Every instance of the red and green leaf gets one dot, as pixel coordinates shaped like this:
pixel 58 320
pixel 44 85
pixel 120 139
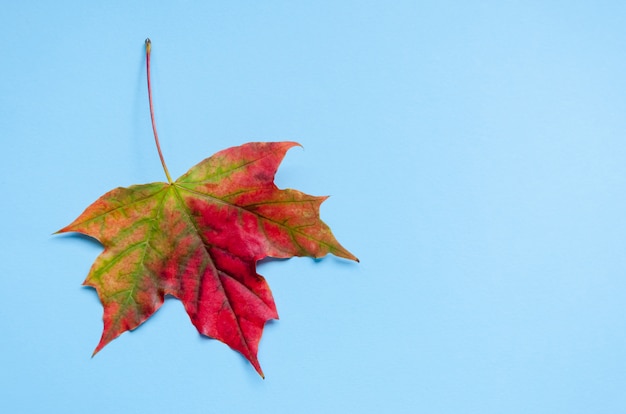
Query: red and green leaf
pixel 199 239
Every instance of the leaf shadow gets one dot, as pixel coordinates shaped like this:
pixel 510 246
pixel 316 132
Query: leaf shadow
pixel 79 236
pixel 317 261
pixel 268 260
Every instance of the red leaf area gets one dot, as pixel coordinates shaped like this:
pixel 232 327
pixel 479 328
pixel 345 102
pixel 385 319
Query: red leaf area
pixel 199 239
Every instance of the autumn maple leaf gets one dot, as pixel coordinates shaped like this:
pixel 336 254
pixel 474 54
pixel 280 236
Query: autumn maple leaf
pixel 199 239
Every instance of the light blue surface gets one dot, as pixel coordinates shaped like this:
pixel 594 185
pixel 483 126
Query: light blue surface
pixel 475 153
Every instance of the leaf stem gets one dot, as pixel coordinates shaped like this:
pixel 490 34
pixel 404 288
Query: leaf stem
pixel 156 135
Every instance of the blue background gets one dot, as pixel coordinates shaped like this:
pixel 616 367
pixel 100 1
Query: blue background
pixel 474 151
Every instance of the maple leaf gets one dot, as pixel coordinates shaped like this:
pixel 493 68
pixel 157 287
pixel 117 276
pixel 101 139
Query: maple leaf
pixel 199 239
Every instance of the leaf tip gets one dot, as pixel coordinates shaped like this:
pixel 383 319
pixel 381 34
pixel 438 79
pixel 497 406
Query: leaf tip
pixel 63 230
pixel 258 369
pixel 350 256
